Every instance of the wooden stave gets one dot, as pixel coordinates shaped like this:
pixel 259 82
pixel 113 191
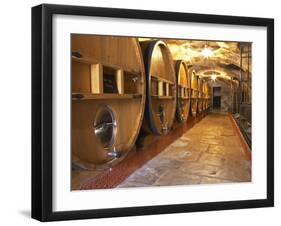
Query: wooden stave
pixel 206 92
pixel 194 92
pixel 140 101
pixel 149 120
pixel 180 118
pixel 200 96
pixel 203 95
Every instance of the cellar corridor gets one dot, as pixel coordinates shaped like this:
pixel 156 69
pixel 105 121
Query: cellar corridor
pixel 210 152
pixel 152 112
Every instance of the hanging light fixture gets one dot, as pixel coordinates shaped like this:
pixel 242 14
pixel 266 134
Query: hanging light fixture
pixel 207 51
pixel 213 77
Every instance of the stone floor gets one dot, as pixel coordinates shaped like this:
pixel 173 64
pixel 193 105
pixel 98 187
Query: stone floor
pixel 208 153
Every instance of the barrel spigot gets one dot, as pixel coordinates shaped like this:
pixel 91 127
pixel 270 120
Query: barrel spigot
pixel 114 153
pixel 165 128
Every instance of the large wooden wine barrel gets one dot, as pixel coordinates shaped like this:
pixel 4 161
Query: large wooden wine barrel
pixel 203 95
pixel 194 91
pixel 206 94
pixel 161 87
pixel 108 98
pixel 200 95
pixel 183 91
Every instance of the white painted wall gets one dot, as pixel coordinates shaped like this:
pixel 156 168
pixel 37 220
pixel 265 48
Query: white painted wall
pixel 15 112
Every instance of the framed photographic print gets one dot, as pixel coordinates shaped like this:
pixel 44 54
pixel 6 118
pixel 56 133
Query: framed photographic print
pixel 145 112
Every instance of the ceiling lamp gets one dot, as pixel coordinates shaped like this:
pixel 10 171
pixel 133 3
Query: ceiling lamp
pixel 207 52
pixel 213 77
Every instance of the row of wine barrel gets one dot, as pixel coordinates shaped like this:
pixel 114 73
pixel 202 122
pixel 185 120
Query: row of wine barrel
pixel 120 85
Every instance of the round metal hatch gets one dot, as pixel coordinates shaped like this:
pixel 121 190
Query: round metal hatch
pixel 105 126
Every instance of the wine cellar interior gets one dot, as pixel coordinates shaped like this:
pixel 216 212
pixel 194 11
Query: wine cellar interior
pixel 159 112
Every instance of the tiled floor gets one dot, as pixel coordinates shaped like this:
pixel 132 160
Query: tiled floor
pixel 210 152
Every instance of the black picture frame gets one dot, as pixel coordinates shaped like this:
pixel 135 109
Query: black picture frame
pixel 42 111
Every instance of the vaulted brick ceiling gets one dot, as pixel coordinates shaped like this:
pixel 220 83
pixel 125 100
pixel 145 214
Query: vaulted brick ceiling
pixel 224 59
